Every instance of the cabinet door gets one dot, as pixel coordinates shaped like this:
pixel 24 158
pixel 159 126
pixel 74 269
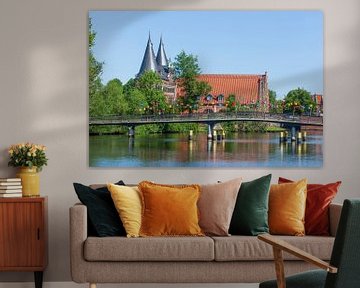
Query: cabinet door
pixel 21 234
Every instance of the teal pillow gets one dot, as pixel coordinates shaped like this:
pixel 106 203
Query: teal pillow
pixel 250 216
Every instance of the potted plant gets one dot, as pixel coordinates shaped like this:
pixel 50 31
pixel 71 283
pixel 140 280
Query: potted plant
pixel 30 158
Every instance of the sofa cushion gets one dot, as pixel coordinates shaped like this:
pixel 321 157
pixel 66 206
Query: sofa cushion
pixel 102 216
pixel 216 205
pixel 149 249
pixel 287 204
pixel 169 210
pixel 318 199
pixel 245 248
pixel 250 215
pixel 127 201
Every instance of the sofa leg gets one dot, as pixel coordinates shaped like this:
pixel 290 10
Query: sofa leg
pixel 92 285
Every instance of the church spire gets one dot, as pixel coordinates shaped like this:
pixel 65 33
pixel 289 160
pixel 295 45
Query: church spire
pixel 161 58
pixel 149 60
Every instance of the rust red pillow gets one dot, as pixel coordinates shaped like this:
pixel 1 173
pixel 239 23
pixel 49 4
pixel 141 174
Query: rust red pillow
pixel 319 197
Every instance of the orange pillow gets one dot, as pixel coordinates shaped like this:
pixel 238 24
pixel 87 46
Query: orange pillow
pixel 287 204
pixel 319 197
pixel 169 210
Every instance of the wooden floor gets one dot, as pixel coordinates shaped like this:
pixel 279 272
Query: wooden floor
pixel 74 285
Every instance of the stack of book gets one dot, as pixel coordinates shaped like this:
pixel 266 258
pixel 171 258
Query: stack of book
pixel 10 187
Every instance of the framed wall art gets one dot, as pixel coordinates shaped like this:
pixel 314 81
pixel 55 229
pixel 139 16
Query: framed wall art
pixel 205 89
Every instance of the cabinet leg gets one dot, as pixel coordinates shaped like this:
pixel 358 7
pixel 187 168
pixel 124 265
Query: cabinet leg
pixel 38 279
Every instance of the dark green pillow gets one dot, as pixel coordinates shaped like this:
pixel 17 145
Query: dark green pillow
pixel 250 216
pixel 103 219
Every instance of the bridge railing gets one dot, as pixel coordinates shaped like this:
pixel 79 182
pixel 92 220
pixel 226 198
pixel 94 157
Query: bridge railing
pixel 207 116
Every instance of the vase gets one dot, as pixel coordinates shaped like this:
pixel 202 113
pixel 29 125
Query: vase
pixel 30 181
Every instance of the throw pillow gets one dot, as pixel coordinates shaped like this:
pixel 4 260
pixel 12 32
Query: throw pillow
pixel 102 215
pixel 287 208
pixel 319 197
pixel 250 215
pixel 169 210
pixel 216 206
pixel 127 201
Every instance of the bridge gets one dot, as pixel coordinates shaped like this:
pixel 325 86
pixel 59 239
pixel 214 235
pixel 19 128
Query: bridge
pixel 208 118
pixel 292 123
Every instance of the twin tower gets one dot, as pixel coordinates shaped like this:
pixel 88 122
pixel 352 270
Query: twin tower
pixel 159 64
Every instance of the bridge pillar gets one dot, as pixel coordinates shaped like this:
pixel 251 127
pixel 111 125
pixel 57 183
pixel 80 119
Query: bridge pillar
pixel 131 132
pixel 210 131
pixel 293 134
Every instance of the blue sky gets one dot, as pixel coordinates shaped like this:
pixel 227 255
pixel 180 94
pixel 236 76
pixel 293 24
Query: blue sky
pixel 286 44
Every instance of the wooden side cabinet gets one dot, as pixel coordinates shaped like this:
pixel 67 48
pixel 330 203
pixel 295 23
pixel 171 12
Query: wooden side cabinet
pixel 23 235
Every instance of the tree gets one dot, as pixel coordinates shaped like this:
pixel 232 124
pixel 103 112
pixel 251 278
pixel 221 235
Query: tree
pixel 114 99
pixel 297 101
pixel 150 85
pixel 136 101
pixel 95 71
pixel 231 103
pixel 272 98
pixel 186 69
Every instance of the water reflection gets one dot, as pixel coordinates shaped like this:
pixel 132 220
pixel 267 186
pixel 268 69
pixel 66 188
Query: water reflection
pixel 175 150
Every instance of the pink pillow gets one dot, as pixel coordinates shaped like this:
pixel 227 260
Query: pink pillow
pixel 216 206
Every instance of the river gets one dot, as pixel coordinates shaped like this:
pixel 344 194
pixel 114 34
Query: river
pixel 175 150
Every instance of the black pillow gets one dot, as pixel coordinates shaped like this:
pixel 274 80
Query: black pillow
pixel 103 217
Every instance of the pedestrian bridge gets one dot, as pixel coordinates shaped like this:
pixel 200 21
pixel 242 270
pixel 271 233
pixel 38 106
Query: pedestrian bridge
pixel 284 120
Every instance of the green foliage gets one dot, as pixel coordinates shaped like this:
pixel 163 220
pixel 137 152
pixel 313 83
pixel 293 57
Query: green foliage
pixel 136 101
pixel 231 104
pixel 149 129
pixel 100 130
pixel 297 101
pixel 186 69
pixel 110 100
pixel 114 99
pixel 27 155
pixel 150 85
pixel 95 70
pixel 252 126
pixel 186 66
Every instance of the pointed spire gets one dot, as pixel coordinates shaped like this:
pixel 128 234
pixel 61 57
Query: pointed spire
pixel 161 58
pixel 149 60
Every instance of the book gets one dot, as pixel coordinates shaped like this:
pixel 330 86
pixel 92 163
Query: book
pixel 10 191
pixel 5 195
pixel 10 188
pixel 10 183
pixel 10 180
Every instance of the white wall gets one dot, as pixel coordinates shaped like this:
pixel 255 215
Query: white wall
pixel 43 90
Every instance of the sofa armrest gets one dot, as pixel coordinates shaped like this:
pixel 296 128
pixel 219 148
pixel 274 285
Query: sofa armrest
pixel 78 235
pixel 334 217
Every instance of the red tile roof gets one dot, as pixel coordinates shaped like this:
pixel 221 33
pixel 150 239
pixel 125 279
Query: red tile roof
pixel 244 87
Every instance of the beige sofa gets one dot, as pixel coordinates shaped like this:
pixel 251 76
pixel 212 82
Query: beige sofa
pixel 234 259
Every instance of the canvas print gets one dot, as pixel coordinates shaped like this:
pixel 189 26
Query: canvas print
pixel 205 89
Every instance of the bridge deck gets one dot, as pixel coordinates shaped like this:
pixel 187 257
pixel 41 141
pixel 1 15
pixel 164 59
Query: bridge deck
pixel 210 118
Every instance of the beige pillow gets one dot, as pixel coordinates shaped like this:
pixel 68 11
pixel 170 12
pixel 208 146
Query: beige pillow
pixel 216 206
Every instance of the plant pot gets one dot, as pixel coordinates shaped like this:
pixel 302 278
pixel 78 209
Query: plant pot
pixel 30 181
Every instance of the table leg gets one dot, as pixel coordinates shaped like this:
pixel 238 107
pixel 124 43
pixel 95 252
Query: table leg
pixel 38 279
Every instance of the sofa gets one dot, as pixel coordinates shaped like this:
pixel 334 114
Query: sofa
pixel 233 259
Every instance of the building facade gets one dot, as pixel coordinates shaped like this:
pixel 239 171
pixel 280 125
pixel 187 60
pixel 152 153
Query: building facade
pixel 246 90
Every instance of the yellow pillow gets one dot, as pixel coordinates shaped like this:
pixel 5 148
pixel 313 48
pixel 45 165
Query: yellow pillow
pixel 169 210
pixel 287 204
pixel 127 201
